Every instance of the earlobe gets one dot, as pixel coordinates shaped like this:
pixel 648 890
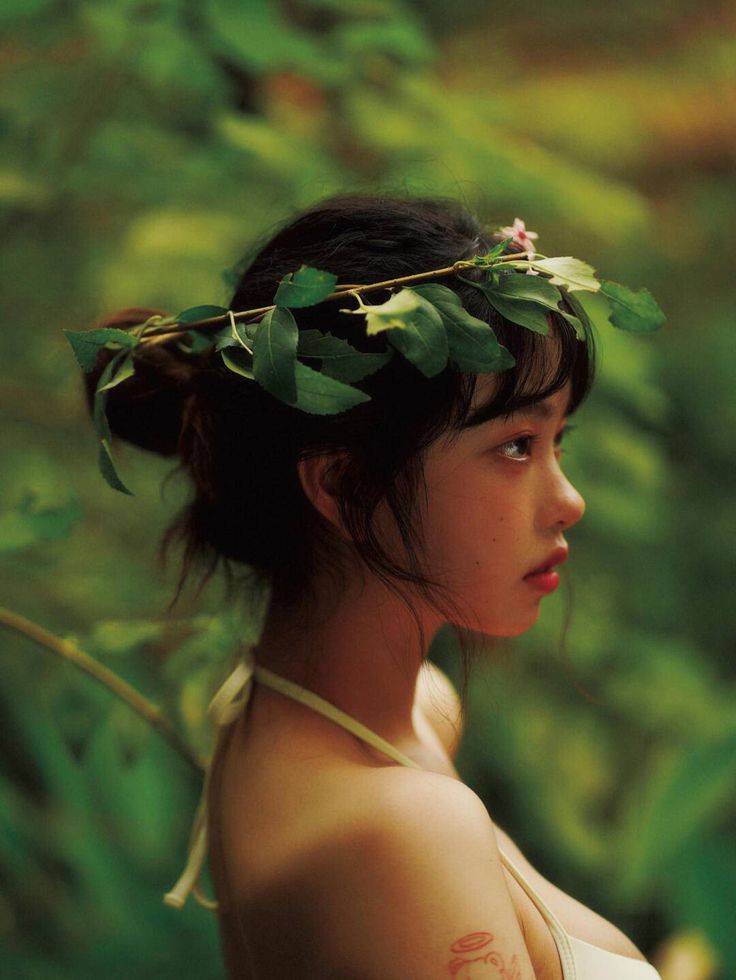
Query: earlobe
pixel 317 475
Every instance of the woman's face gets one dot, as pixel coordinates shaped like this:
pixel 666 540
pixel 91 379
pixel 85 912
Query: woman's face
pixel 498 506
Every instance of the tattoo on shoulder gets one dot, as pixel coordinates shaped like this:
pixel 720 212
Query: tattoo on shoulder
pixel 475 959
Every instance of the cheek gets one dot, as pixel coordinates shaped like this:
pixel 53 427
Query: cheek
pixel 463 531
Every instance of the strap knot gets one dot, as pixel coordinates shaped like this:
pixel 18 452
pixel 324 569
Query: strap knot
pixel 222 710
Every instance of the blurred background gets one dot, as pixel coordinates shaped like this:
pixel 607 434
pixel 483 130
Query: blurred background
pixel 147 145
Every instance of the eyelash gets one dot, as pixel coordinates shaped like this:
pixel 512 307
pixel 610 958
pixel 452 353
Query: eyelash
pixel 531 439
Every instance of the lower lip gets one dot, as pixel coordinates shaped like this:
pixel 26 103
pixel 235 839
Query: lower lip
pixel 544 581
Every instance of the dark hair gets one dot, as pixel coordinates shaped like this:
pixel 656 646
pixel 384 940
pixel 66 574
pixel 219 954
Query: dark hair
pixel 241 445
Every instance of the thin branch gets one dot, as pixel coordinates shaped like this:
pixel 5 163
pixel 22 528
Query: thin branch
pixel 159 334
pixel 108 678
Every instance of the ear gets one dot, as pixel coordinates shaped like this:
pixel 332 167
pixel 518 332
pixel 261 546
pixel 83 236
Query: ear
pixel 317 475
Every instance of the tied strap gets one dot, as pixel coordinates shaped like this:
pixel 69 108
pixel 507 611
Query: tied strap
pixel 222 710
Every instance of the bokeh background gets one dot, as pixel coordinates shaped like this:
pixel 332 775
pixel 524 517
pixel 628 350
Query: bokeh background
pixel 146 146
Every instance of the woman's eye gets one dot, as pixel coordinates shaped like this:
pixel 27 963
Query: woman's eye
pixel 521 448
pixel 518 448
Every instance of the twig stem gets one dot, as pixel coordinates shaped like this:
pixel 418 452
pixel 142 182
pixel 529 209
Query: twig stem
pixel 160 334
pixel 103 675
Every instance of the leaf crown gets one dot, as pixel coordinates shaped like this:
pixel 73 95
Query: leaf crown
pixel 422 320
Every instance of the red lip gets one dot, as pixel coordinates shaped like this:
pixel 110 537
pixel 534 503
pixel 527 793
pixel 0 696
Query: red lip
pixel 557 557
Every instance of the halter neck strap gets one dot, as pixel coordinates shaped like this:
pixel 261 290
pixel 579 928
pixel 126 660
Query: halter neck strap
pixel 229 701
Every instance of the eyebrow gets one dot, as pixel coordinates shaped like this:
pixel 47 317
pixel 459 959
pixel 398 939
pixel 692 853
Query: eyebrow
pixel 535 410
pixel 540 410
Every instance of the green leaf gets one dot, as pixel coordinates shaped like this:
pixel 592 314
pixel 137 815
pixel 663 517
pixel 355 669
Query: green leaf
pixel 238 359
pixel 339 359
pixel 488 258
pixel 398 311
pixel 423 340
pixel 199 341
pixel 195 313
pixel 86 344
pixel 240 335
pixel 305 287
pixel 104 459
pixel 635 312
pixel 107 468
pixel 125 371
pixel 472 344
pixel 320 394
pixel 571 273
pixel 519 286
pixel 436 293
pixel 98 412
pixel 526 314
pixel 414 327
pixel 32 522
pixel 274 354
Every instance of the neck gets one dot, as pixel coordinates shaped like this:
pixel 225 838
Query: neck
pixel 363 656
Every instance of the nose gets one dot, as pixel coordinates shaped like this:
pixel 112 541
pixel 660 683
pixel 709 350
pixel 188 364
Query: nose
pixel 564 505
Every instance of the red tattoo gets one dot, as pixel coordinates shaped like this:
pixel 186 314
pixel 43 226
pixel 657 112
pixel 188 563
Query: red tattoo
pixel 477 962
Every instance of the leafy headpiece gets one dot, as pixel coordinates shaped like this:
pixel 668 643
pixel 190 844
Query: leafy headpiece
pixel 422 320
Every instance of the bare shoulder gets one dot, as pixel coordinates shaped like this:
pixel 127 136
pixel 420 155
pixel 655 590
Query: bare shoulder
pixel 439 701
pixel 414 886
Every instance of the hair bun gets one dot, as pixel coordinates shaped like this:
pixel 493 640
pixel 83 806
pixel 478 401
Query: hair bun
pixel 147 409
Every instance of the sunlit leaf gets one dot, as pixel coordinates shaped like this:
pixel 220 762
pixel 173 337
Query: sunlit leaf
pixel 398 311
pixel 566 271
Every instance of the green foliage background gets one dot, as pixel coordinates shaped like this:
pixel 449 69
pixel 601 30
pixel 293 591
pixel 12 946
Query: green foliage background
pixel 146 145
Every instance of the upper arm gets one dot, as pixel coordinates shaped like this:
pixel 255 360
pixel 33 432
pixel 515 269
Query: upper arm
pixel 441 705
pixel 418 890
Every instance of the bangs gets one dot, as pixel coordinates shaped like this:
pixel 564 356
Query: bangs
pixel 544 364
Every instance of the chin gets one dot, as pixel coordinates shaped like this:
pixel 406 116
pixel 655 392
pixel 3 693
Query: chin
pixel 515 628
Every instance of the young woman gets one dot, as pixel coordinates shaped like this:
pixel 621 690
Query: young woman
pixel 342 841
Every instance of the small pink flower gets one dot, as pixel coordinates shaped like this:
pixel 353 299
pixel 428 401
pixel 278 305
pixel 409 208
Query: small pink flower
pixel 522 237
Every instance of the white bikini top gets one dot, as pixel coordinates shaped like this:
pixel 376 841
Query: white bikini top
pixel 580 960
